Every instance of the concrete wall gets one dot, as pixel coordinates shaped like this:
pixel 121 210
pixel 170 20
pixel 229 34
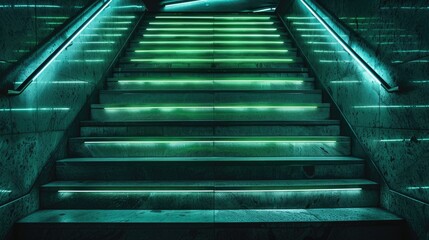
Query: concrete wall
pixel 26 24
pixel 392 127
pixel 35 126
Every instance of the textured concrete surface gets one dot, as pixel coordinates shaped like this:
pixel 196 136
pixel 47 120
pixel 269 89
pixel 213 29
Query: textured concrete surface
pixel 323 224
pixel 392 128
pixel 33 124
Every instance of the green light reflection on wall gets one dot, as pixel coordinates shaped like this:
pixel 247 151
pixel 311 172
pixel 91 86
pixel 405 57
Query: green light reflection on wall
pixel 34 109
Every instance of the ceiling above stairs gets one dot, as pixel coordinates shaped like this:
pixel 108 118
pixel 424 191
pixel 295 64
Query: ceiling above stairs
pixel 210 5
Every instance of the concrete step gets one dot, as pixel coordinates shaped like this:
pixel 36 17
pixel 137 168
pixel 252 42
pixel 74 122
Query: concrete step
pixel 173 195
pixel 139 53
pixel 192 111
pixel 209 168
pixel 209 146
pixel 203 97
pixel 245 224
pixel 209 127
pixel 201 81
pixel 213 36
pixel 301 70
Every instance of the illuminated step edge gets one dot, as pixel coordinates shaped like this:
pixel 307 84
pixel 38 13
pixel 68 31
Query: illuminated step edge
pixel 325 185
pixel 212 42
pixel 190 23
pixel 212 60
pixel 206 81
pixel 191 51
pixel 285 160
pixel 167 35
pixel 216 17
pixel 154 29
pixel 164 107
pixel 196 140
pixel 209 191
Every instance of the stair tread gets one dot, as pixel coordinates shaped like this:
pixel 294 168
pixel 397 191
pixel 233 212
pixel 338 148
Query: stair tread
pixel 207 105
pixel 212 70
pixel 220 138
pixel 344 159
pixel 206 122
pixel 314 215
pixel 210 184
pixel 293 91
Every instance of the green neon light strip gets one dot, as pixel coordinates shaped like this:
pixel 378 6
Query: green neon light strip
pixel 402 140
pixel 105 35
pixel 211 42
pixel 346 82
pixel 223 81
pixel 417 188
pixel 214 60
pixel 314 35
pixel 211 191
pixel 99 42
pixel 119 23
pixel 207 17
pixel 82 61
pixel 32 109
pixel 239 108
pixel 211 23
pixel 212 35
pixel 5 191
pixel 120 17
pixel 98 51
pixel 211 50
pixel 323 43
pixel 112 28
pixel 392 106
pixel 329 51
pixel 300 18
pixel 51 17
pixel 211 29
pixel 310 29
pixel 208 141
pixel 305 23
pixel 57 82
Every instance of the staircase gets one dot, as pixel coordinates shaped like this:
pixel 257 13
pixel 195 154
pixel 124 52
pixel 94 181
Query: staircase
pixel 210 128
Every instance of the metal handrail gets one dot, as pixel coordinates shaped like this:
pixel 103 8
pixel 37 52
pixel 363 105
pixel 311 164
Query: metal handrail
pixel 57 51
pixel 350 50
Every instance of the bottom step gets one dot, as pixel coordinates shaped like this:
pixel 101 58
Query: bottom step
pixel 297 224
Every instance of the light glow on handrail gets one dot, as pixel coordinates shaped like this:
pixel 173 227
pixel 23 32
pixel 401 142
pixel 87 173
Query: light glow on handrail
pixel 66 44
pixel 371 72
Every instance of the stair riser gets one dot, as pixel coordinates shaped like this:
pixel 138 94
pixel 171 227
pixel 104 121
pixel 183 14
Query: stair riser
pixel 370 230
pixel 202 66
pixel 205 171
pixel 231 54
pixel 160 75
pixel 77 148
pixel 321 113
pixel 252 130
pixel 208 98
pixel 148 44
pixel 195 25
pixel 218 200
pixel 212 86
